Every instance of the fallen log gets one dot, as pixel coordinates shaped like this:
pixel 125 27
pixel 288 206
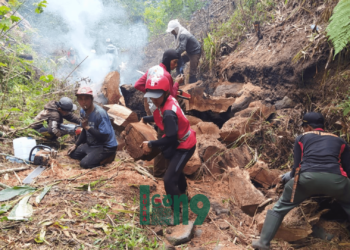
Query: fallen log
pixel 110 87
pixel 246 196
pixel 235 157
pixel 135 134
pixel 121 115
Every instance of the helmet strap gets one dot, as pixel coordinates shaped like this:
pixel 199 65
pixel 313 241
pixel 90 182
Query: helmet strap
pixel 166 95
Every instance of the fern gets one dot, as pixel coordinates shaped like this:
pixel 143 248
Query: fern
pixel 338 29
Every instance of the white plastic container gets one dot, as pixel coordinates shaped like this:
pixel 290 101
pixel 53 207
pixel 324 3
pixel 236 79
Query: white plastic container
pixel 22 147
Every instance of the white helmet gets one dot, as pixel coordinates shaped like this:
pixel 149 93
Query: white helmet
pixel 172 25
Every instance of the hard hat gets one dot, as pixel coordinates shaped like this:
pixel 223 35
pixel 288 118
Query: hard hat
pixel 172 25
pixel 66 104
pixel 155 87
pixel 85 90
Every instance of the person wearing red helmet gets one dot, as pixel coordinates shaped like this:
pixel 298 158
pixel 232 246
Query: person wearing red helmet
pixel 96 144
pixel 169 63
pixel 179 141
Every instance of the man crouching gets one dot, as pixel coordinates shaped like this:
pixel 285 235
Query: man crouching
pixel 97 144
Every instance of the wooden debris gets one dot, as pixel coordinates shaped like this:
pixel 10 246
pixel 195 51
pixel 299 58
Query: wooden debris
pixel 110 87
pixel 247 197
pixel 121 115
pixel 13 169
pixel 209 148
pixel 4 185
pixel 135 134
pixel 261 173
pixel 202 102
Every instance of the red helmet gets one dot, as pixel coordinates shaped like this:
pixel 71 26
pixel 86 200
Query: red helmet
pixel 155 87
pixel 85 90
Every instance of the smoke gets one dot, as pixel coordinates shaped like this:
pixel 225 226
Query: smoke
pixel 84 26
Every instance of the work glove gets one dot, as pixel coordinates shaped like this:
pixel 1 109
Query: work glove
pixel 286 177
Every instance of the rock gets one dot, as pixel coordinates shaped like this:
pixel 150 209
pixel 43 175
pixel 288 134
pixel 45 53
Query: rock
pixel 166 246
pixel 236 127
pixel 231 158
pixel 193 120
pixel 286 102
pixel 319 232
pixel 240 104
pixel 218 209
pixel 159 230
pixel 121 115
pixel 181 234
pixel 229 89
pixel 224 226
pixel 193 164
pixel 206 128
pixel 293 227
pixel 261 173
pixel 209 148
pixel 169 230
pixel 198 233
pixel 247 197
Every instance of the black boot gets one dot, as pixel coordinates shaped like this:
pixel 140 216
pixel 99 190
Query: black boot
pixel 272 222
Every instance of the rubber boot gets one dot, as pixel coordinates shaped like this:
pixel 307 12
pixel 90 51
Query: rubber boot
pixel 272 222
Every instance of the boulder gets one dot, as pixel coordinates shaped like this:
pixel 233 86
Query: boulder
pixel 193 120
pixel 193 164
pixel 206 128
pixel 181 234
pixel 261 173
pixel 243 192
pixel 286 102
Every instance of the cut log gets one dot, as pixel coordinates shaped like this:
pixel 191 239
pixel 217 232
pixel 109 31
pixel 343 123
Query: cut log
pixel 192 119
pixel 193 164
pixel 294 226
pixel 261 173
pixel 247 197
pixel 110 87
pixel 206 128
pixel 133 100
pixel 202 102
pixel 229 89
pixel 135 134
pixel 257 110
pixel 121 115
pixel 209 148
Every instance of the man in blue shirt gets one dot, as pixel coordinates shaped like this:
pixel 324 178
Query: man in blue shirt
pixel 96 144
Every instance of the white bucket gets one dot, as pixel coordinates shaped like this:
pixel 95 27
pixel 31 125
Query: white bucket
pixel 22 147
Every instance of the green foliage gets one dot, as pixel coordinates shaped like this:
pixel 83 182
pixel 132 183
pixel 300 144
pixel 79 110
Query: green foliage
pixel 157 14
pixel 40 6
pixel 338 29
pixel 210 47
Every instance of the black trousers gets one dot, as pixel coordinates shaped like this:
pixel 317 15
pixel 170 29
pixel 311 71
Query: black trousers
pixel 174 179
pixel 93 156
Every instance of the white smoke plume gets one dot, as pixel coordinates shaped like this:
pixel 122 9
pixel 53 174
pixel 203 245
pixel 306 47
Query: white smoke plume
pixel 84 25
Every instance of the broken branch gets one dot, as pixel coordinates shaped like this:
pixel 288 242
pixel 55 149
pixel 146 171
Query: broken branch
pixel 13 169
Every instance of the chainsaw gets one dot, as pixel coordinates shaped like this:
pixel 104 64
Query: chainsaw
pixel 43 158
pixel 71 129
